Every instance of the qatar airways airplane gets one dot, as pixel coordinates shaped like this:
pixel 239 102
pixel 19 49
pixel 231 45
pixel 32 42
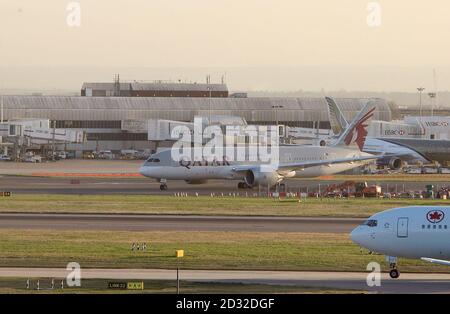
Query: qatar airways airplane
pixel 293 161
pixel 417 232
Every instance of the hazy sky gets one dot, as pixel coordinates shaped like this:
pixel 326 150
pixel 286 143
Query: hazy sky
pixel 225 33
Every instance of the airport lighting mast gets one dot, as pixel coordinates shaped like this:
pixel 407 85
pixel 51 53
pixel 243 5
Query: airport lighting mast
pixel 209 88
pixel 275 110
pixel 276 107
pixel 420 90
pixel 432 97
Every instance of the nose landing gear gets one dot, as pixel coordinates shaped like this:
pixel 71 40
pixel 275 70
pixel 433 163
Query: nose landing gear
pixel 394 273
pixel 163 186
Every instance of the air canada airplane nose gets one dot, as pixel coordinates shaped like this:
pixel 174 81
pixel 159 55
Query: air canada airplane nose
pixel 357 235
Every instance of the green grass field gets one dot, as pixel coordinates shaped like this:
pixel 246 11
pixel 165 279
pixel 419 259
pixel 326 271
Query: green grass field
pixel 203 250
pixel 203 205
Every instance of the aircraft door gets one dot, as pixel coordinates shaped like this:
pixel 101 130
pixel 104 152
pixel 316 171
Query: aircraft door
pixel 402 227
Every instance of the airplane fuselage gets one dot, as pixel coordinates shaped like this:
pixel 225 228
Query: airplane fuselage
pixel 411 232
pixel 166 167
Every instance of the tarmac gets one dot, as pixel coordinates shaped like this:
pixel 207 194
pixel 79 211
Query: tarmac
pixel 407 283
pixel 176 223
pixel 121 184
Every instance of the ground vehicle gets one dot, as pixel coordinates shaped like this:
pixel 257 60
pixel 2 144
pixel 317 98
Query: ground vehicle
pixel 62 155
pixel 104 154
pixel 30 157
pixel 5 158
pixel 88 155
pixel 129 154
pixel 364 190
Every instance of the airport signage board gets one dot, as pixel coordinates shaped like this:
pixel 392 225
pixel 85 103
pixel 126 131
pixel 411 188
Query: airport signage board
pixel 5 194
pixel 134 126
pixel 135 285
pixel 121 285
pixel 117 285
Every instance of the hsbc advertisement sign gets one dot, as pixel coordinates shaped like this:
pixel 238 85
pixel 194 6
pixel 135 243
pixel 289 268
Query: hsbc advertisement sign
pixel 394 132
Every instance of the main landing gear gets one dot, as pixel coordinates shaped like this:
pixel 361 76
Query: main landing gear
pixel 243 185
pixel 394 273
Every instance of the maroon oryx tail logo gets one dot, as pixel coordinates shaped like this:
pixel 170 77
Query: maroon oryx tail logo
pixel 358 132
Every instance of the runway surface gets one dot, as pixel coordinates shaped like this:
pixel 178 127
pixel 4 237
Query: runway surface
pixel 176 223
pixel 407 283
pixel 141 185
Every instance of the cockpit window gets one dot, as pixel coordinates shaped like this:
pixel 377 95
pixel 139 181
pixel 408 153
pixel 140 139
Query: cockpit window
pixel 371 223
pixel 153 160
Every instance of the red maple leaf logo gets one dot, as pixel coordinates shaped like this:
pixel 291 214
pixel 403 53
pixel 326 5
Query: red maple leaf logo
pixel 435 216
pixel 361 131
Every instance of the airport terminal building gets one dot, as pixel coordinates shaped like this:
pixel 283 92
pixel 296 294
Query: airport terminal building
pixel 103 118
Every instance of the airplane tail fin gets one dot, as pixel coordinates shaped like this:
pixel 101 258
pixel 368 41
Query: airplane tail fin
pixel 337 119
pixel 356 132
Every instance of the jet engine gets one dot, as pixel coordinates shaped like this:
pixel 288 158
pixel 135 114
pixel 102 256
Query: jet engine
pixel 393 163
pixel 256 177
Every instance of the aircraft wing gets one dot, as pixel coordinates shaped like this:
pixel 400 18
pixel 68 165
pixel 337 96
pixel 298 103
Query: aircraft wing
pixel 386 155
pixel 306 164
pixel 436 261
pixel 313 163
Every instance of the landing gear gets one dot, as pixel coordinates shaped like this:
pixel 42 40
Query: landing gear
pixel 394 273
pixel 163 186
pixel 243 185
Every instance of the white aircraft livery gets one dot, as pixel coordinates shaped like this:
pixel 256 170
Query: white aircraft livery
pixel 293 161
pixel 417 232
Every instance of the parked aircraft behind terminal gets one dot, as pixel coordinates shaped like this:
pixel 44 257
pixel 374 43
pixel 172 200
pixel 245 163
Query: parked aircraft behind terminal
pixel 396 151
pixel 417 232
pixel 294 161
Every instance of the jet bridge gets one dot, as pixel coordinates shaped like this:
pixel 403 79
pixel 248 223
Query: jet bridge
pixel 35 133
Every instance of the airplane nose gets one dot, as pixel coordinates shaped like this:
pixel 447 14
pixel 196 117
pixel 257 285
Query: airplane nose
pixel 356 235
pixel 142 171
